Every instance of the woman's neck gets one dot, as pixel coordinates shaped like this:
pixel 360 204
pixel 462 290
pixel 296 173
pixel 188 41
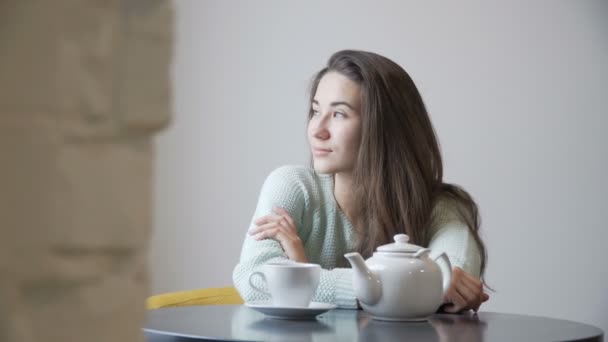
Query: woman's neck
pixel 344 195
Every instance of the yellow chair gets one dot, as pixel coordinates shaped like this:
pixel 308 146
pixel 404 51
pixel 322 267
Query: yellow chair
pixel 210 296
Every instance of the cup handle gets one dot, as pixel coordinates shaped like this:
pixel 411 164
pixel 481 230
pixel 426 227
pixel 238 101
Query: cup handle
pixel 446 270
pixel 255 287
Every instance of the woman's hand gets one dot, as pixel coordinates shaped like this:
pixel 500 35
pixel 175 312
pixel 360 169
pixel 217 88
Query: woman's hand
pixel 282 228
pixel 465 292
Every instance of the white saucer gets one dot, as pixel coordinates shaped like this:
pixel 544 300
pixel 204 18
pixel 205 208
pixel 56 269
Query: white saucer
pixel 277 312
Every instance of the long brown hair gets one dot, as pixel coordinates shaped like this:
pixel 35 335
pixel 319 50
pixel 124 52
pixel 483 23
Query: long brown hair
pixel 398 176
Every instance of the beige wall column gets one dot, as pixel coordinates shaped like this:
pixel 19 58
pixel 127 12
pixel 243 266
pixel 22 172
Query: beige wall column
pixel 83 88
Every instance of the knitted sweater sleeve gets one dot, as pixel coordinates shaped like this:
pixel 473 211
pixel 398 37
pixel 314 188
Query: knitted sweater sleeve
pixel 284 188
pixel 452 236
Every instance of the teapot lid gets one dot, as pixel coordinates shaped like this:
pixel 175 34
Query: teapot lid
pixel 400 245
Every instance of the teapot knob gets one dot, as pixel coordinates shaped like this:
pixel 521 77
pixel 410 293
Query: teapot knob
pixel 402 238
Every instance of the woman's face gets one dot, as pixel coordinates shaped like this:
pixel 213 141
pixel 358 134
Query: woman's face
pixel 334 130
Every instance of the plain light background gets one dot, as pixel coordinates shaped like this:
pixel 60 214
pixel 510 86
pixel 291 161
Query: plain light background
pixel 517 92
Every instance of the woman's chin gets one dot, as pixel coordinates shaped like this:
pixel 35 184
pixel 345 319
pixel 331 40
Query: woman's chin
pixel 323 169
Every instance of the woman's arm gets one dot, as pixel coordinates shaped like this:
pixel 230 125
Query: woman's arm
pixel 281 227
pixel 453 237
pixel 284 189
pixel 335 286
pixel 456 241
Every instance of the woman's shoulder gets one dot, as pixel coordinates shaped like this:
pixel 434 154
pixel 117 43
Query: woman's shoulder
pixel 296 180
pixel 297 171
pixel 291 173
pixel 447 210
pixel 297 175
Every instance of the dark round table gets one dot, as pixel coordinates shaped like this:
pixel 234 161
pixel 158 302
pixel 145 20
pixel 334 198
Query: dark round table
pixel 239 323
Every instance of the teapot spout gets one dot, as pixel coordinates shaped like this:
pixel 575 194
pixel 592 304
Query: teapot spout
pixel 365 281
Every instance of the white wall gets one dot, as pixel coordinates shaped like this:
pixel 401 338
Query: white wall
pixel 517 92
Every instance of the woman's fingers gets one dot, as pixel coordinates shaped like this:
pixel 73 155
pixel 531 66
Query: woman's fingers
pixel 456 302
pixel 283 222
pixel 268 222
pixel 269 233
pixel 465 293
pixel 278 230
pixel 267 219
pixel 280 227
pixel 472 282
pixel 472 298
pixel 282 216
pixel 476 286
pixel 257 229
pixel 272 226
pixel 285 215
pixel 275 232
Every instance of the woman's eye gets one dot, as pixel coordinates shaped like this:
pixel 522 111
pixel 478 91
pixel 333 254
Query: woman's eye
pixel 315 112
pixel 340 114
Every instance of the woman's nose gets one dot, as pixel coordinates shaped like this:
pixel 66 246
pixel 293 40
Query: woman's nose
pixel 320 131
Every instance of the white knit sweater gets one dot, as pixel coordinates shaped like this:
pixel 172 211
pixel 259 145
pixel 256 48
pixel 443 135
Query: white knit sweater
pixel 327 234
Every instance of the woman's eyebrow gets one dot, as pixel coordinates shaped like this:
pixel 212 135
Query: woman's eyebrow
pixel 336 103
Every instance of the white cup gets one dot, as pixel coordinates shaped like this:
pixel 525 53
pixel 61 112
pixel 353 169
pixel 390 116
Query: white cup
pixel 289 284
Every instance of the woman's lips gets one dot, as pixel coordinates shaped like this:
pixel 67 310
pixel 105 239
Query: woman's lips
pixel 320 151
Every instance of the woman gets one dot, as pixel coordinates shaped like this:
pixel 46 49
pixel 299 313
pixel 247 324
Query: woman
pixel 377 172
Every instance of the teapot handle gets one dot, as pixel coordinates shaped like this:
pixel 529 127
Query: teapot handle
pixel 446 270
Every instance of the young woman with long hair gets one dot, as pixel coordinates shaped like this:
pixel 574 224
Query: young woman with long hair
pixel 376 172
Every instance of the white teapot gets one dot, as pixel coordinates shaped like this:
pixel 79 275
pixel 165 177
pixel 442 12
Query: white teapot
pixel 400 282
